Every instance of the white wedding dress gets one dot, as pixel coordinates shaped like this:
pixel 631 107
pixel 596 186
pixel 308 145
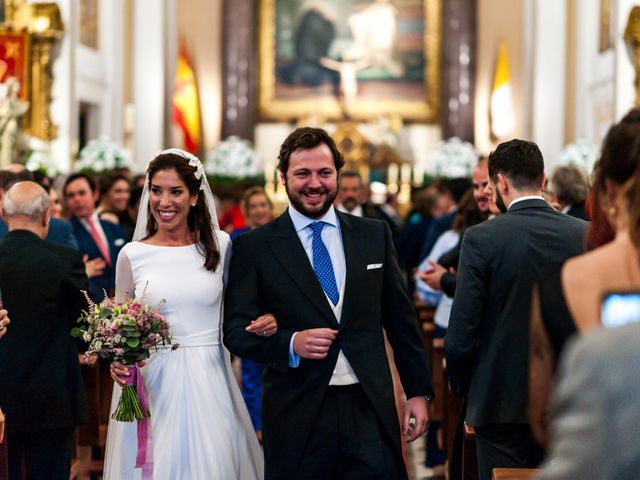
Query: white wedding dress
pixel 199 423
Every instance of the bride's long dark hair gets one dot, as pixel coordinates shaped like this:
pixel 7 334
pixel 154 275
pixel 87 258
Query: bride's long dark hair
pixel 198 219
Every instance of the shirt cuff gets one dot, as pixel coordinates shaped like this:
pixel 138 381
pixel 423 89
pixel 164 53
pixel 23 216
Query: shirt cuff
pixel 294 359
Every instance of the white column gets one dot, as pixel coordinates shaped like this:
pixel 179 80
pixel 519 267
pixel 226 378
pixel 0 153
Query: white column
pixel 112 47
pixel 149 78
pixel 548 81
pixel 63 107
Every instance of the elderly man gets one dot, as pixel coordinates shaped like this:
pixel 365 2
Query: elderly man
pixel 59 230
pixel 41 390
pixel 569 187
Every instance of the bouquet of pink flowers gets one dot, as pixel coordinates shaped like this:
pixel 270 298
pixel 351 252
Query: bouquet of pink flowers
pixel 124 332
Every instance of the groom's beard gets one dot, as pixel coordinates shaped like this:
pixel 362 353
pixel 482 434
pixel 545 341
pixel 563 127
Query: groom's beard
pixel 296 201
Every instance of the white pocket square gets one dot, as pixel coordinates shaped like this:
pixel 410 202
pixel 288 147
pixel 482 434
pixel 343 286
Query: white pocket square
pixel 373 266
pixel 118 242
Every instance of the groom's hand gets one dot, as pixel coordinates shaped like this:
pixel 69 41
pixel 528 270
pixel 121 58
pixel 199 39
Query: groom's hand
pixel 417 409
pixel 313 344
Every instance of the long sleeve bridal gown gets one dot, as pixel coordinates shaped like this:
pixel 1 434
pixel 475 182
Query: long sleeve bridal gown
pixel 199 423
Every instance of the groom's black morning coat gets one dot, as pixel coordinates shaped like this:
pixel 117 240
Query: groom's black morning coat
pixel 271 273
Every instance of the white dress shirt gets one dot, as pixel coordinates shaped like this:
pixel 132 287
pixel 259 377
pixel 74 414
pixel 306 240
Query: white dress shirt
pixel 343 374
pixel 525 197
pixel 96 222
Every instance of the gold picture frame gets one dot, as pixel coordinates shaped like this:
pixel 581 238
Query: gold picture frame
pixel 43 25
pixel 14 59
pixel 382 89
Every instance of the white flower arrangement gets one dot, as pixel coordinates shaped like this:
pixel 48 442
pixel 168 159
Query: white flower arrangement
pixel 582 154
pixel 233 157
pixel 41 157
pixel 453 158
pixel 102 154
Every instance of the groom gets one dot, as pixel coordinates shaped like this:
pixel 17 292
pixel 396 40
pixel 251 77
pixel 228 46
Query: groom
pixel 333 283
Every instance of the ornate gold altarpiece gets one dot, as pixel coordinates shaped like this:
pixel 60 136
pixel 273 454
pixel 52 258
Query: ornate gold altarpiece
pixel 41 27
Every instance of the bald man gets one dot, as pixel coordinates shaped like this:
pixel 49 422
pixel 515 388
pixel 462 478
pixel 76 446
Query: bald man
pixel 41 391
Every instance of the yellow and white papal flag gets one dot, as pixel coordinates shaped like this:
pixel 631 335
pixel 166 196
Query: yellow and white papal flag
pixel 503 119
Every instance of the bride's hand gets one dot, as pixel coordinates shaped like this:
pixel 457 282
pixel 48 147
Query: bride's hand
pixel 264 326
pixel 120 372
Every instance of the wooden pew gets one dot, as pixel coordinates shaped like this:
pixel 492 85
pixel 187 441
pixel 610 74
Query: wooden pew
pixel 450 406
pixel 439 380
pixel 98 386
pixel 469 457
pixel 4 460
pixel 514 473
pixel 73 474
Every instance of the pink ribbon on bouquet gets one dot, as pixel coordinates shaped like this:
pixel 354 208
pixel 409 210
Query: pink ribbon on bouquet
pixel 144 457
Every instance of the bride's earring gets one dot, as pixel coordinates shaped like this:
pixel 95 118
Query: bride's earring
pixel 612 211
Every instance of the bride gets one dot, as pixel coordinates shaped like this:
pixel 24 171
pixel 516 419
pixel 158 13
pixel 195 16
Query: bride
pixel 200 428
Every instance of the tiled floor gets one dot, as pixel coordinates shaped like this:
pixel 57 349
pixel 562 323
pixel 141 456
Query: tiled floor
pixel 415 454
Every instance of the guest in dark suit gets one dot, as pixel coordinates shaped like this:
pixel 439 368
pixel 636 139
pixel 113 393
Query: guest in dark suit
pixel 569 187
pixel 333 283
pixel 351 200
pixel 487 340
pixel 61 232
pixel 96 238
pixel 41 390
pixel 440 276
pixel 4 321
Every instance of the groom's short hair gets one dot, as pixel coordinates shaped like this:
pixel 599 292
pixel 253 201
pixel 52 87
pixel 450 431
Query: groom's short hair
pixel 305 138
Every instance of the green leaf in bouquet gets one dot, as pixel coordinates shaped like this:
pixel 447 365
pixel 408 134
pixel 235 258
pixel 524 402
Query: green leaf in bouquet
pixel 133 333
pixel 104 314
pixel 76 332
pixel 133 342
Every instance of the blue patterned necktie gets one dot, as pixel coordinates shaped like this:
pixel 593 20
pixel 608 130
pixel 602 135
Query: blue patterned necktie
pixel 322 263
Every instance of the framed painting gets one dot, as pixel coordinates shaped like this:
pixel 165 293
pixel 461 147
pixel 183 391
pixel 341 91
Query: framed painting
pixel 14 59
pixel 349 58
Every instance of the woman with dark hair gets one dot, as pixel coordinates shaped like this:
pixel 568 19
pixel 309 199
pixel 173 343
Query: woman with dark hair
pixel 199 423
pixel 114 197
pixel 591 410
pixel 567 297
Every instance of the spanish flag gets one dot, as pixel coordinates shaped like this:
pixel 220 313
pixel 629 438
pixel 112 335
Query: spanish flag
pixel 186 109
pixel 502 112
